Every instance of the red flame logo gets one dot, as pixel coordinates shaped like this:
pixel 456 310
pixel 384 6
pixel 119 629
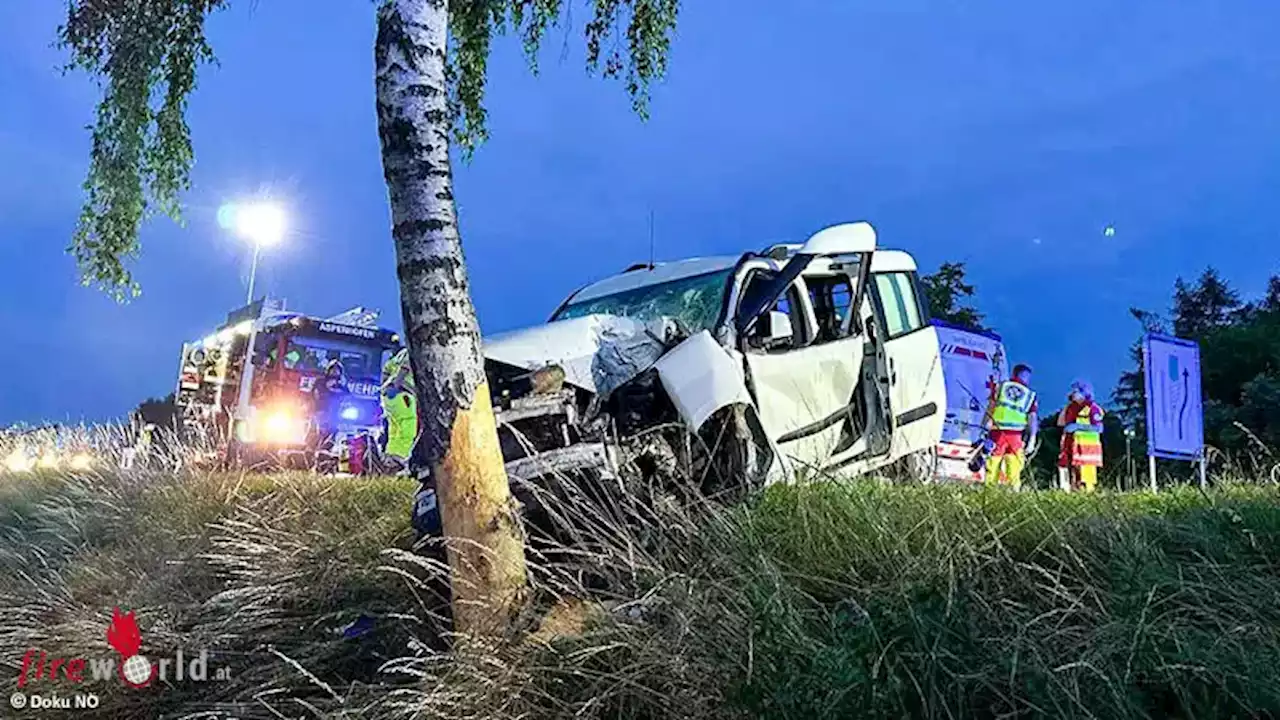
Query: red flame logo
pixel 123 635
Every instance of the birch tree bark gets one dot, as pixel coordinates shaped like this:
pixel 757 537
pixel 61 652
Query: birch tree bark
pixel 458 431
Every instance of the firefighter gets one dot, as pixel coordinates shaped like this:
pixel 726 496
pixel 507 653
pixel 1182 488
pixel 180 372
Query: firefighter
pixel 1012 413
pixel 1081 453
pixel 399 406
pixel 328 393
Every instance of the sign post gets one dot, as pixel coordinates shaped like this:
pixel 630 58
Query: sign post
pixel 1175 408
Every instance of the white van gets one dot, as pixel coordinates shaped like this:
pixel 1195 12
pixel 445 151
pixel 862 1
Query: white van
pixel 819 356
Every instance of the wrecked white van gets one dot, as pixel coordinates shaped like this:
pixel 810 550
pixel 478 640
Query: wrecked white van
pixel 746 369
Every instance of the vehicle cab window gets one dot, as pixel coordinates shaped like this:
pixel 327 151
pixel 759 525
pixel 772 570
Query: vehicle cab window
pixel 784 326
pixel 899 303
pixel 266 351
pixel 831 296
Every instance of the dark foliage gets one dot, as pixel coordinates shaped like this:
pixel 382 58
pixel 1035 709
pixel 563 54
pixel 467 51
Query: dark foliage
pixel 946 291
pixel 1240 360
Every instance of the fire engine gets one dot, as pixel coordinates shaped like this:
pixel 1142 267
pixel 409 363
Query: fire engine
pixel 245 392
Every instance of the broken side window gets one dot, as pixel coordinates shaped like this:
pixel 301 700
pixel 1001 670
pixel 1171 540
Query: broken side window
pixel 831 296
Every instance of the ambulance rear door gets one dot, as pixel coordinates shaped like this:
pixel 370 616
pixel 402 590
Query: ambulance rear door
pixel 972 362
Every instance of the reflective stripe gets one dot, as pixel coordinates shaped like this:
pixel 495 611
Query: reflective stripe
pixel 1086 446
pixel 1086 451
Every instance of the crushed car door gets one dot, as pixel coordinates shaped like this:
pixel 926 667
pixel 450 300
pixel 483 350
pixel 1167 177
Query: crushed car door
pixel 802 388
pixel 917 388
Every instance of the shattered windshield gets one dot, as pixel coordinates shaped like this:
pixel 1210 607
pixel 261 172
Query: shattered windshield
pixel 694 300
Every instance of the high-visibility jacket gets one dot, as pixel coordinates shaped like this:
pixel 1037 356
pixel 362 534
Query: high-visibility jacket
pixel 1014 402
pixel 1083 436
pixel 399 406
pixel 392 367
pixel 401 412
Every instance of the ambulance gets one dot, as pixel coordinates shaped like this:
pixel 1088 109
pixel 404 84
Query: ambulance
pixel 973 362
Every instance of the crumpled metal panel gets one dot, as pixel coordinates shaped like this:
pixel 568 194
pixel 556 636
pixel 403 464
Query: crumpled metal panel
pixel 701 378
pixel 597 352
pixel 625 352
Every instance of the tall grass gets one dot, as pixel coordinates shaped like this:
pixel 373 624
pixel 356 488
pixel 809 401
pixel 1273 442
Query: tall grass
pixel 818 600
pixel 933 603
pixel 261 571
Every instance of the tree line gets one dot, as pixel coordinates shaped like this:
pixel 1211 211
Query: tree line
pixel 1239 359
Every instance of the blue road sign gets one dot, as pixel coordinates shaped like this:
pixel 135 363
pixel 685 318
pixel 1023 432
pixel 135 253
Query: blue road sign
pixel 1175 412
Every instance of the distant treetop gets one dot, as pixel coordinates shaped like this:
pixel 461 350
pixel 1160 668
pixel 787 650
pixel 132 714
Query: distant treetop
pixel 946 291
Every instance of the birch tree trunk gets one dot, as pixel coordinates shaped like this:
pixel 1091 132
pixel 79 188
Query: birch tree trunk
pixel 458 431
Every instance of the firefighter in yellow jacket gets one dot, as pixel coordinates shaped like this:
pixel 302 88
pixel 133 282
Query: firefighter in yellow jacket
pixel 399 405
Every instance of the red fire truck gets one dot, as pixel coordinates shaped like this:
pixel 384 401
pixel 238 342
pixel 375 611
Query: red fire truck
pixel 245 392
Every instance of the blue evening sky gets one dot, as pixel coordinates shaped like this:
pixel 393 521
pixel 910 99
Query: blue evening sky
pixel 1006 135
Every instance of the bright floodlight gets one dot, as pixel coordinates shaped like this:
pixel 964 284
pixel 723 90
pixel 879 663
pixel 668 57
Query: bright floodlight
pixel 261 222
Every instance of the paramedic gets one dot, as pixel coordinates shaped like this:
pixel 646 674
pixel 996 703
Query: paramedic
pixel 1081 454
pixel 1012 412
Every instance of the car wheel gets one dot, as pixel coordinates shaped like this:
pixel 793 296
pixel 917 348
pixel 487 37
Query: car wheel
pixel 734 457
pixel 920 467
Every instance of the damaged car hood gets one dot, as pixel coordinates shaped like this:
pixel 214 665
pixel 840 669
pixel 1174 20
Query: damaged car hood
pixel 597 352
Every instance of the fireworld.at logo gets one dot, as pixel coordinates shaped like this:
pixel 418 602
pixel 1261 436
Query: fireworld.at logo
pixel 132 668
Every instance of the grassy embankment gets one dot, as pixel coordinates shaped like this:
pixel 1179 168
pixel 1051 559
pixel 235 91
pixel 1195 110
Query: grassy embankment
pixel 818 601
